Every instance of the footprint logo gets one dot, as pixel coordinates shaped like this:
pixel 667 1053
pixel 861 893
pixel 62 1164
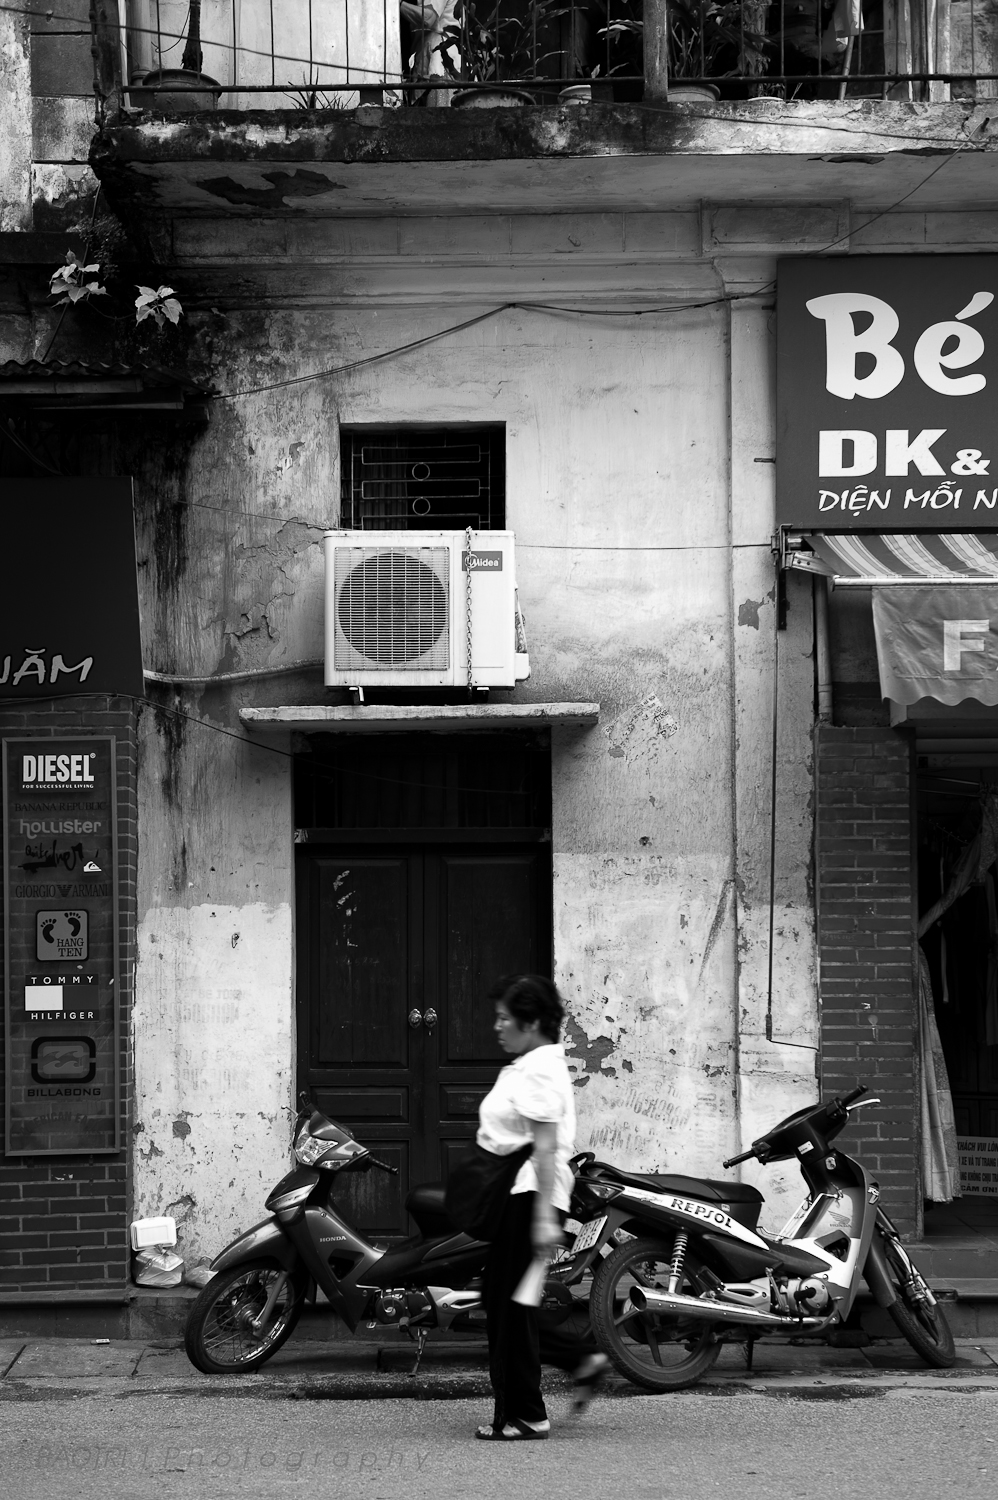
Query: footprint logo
pixel 74 927
pixel 47 931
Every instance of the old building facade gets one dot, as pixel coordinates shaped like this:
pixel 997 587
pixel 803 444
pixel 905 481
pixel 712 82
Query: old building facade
pixel 583 295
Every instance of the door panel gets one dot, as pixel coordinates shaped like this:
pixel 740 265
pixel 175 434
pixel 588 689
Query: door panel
pixel 488 927
pixel 364 961
pixel 410 930
pixel 489 912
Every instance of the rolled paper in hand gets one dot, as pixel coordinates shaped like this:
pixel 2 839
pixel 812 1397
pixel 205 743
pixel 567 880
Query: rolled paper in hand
pixel 531 1287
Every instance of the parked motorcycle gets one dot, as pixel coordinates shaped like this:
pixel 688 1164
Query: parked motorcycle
pixel 261 1282
pixel 680 1267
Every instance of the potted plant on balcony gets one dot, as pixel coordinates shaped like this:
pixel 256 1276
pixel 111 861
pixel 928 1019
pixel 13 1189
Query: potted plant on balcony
pixel 480 51
pixel 707 39
pixel 185 88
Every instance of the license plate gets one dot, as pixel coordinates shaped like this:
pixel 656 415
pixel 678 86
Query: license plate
pixel 588 1235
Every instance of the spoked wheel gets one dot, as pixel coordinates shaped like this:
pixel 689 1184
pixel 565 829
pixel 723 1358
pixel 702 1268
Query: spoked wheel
pixel 224 1334
pixel 922 1322
pixel 656 1350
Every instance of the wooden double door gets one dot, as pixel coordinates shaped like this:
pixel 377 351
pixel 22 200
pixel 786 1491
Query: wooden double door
pixel 398 945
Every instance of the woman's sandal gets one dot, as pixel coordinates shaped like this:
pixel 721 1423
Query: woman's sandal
pixel 587 1380
pixel 522 1433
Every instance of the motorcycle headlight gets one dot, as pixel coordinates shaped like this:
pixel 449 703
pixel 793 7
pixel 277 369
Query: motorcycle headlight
pixel 308 1150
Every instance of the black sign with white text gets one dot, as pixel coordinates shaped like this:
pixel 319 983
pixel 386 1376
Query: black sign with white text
pixel 60 946
pixel 887 380
pixel 69 610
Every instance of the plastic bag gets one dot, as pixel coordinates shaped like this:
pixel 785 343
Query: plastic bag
pixel 158 1266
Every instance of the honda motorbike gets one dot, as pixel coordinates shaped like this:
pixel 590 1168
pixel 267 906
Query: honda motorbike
pixel 262 1281
pixel 680 1267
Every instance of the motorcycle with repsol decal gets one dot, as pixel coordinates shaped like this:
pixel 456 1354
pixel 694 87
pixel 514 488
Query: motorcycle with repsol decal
pixel 262 1281
pixel 680 1267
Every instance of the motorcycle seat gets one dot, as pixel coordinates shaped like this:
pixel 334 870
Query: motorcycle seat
pixel 426 1204
pixel 710 1190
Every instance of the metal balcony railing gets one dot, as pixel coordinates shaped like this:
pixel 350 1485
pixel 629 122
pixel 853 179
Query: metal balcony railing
pixel 183 55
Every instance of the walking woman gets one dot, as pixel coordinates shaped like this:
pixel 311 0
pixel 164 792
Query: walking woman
pixel 532 1101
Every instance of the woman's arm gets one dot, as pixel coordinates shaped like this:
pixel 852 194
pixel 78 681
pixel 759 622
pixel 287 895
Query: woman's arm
pixel 546 1232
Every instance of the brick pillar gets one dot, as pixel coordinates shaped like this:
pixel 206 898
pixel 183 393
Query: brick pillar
pixel 63 1221
pixel 865 860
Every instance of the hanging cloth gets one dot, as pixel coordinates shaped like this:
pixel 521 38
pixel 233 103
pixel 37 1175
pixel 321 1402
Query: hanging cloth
pixel 991 982
pixel 940 1160
pixel 972 866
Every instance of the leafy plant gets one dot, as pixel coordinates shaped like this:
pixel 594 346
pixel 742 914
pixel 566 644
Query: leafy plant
pixel 707 39
pixel 158 303
pixel 496 45
pixel 68 285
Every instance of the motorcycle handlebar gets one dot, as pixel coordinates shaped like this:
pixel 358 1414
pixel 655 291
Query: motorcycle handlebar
pixel 384 1166
pixel 853 1094
pixel 734 1160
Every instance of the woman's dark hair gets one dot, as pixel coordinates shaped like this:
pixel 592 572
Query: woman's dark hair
pixel 531 997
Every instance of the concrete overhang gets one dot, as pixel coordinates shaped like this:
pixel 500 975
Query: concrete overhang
pixel 615 157
pixel 411 719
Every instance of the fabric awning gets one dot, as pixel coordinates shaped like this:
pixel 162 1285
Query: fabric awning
pixel 937 643
pixel 890 559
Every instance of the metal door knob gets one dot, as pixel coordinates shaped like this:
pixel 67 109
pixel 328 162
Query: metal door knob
pixel 430 1018
pixel 415 1019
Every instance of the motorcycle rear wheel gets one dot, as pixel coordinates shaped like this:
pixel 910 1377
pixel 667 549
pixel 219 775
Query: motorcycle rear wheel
pixel 656 1350
pixel 220 1338
pixel 923 1325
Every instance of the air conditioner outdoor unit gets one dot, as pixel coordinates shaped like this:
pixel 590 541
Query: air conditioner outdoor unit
pixel 422 609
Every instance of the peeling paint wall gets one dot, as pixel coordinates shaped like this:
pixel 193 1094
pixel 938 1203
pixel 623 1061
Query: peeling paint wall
pixel 619 473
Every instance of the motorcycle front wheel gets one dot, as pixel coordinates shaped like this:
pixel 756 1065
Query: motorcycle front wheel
pixel 660 1351
pixel 222 1336
pixel 923 1323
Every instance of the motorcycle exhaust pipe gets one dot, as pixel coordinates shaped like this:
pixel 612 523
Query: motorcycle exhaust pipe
pixel 647 1299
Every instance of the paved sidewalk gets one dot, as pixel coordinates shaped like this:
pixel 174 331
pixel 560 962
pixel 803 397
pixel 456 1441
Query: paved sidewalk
pixel 73 1369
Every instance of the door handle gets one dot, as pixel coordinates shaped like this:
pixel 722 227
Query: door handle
pixel 415 1019
pixel 429 1018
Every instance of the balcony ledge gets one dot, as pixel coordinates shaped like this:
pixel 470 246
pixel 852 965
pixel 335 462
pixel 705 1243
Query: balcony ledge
pixel 419 718
pixel 291 163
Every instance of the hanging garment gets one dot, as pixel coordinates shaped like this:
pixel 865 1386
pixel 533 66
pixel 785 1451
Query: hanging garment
pixel 972 866
pixel 940 1160
pixel 991 982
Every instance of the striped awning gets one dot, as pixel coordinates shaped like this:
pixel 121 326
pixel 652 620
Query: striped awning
pixel 891 558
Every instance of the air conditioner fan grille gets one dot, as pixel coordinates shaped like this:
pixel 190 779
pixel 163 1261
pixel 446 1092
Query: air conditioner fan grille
pixel 392 607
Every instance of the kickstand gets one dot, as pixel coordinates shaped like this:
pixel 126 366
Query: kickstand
pixel 749 1351
pixel 420 1336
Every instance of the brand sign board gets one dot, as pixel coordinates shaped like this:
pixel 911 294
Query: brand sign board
pixel 74 627
pixel 887 378
pixel 60 947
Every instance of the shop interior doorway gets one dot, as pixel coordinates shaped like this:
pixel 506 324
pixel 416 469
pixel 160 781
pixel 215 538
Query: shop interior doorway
pixel 954 788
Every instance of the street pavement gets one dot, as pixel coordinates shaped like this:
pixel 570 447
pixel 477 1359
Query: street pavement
pixel 127 1421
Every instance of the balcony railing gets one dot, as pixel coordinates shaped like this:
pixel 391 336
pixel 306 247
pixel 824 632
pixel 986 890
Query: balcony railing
pixel 182 55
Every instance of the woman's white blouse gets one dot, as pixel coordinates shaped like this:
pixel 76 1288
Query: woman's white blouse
pixel 537 1086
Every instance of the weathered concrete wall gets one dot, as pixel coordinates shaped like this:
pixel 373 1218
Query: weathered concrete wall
pixel 619 455
pixel 15 123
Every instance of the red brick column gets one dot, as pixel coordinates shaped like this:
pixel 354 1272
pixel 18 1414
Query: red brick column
pixel 865 852
pixel 63 1222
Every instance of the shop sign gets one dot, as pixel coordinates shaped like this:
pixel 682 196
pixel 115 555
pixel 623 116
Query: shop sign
pixel 978 1166
pixel 69 610
pixel 887 378
pixel 60 947
pixel 937 643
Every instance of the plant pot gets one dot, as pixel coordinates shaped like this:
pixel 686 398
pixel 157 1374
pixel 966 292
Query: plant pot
pixel 188 92
pixel 497 96
pixel 691 93
pixel 577 93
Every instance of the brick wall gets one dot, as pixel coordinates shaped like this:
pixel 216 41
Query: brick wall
pixel 865 881
pixel 63 1222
